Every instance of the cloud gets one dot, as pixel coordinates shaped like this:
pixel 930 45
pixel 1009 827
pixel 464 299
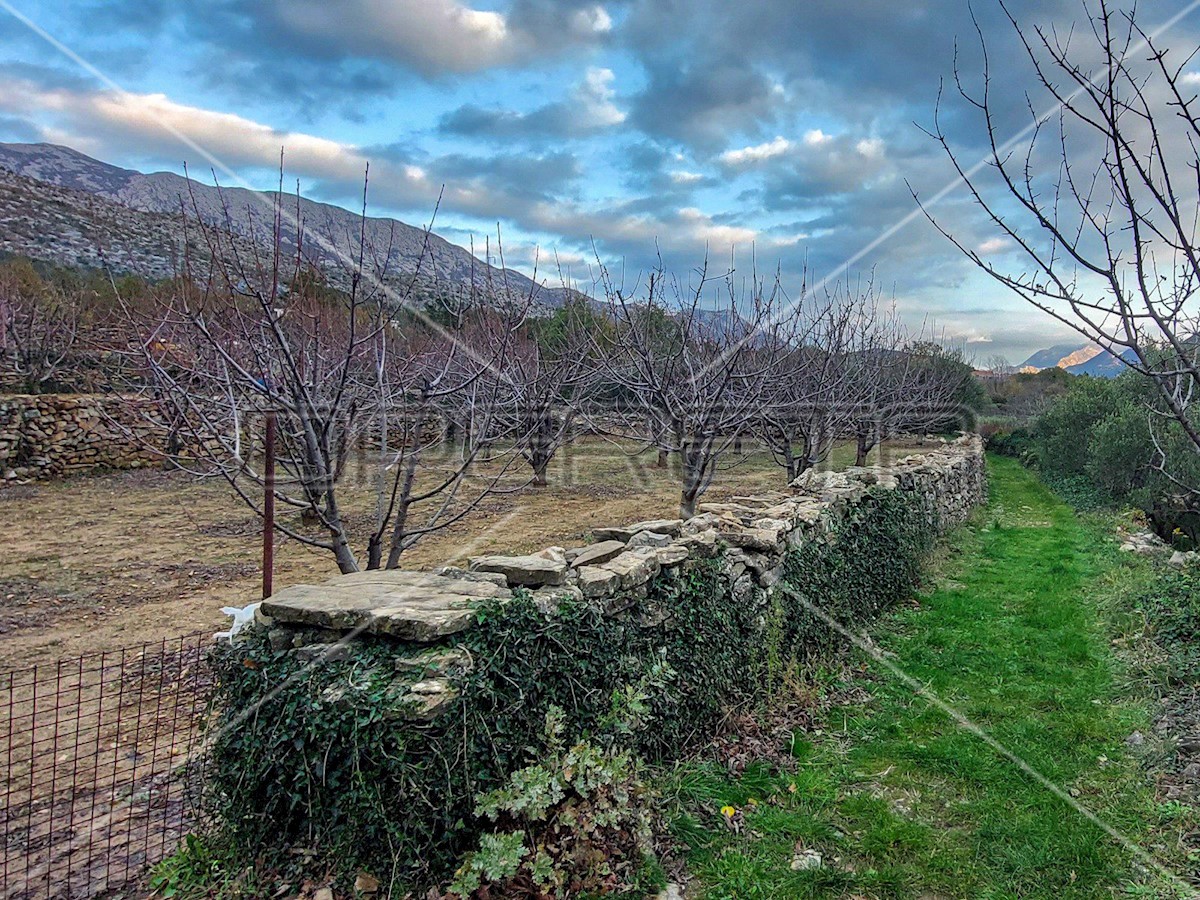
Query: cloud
pixel 433 37
pixel 701 104
pixel 589 108
pixel 757 153
pixel 993 245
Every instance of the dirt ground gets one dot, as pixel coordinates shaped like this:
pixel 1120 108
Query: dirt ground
pixel 108 561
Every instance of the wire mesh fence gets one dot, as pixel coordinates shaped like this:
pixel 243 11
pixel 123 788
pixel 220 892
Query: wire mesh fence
pixel 101 766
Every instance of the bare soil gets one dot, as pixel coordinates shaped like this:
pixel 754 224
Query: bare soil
pixel 107 561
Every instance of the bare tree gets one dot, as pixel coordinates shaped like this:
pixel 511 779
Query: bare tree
pixel 359 391
pixel 1098 197
pixel 541 388
pixel 39 328
pixel 699 373
pixel 806 409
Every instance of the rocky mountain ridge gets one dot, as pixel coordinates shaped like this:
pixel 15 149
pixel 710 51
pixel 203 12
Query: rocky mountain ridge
pixel 62 205
pixel 1088 359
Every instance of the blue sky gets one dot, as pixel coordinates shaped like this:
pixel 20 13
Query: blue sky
pixel 629 128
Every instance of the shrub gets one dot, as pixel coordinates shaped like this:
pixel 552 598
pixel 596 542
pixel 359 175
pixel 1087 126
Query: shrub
pixel 578 823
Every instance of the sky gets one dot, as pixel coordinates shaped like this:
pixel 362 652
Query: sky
pixel 768 134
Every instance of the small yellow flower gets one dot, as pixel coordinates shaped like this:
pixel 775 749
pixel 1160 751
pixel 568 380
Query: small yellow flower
pixel 752 802
pixel 728 812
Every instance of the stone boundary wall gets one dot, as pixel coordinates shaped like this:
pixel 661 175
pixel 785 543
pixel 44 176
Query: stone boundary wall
pixel 749 537
pixel 50 435
pixel 389 699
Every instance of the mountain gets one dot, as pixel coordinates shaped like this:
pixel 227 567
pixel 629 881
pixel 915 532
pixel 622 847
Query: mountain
pixel 1048 358
pixel 77 229
pixel 1086 360
pixel 73 181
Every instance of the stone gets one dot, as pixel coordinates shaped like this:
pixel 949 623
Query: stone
pixel 1183 558
pixel 596 582
pixel 670 527
pixel 806 860
pixel 659 526
pixel 634 567
pixel 701 523
pixel 671 555
pixel 414 606
pixel 435 663
pixel 430 686
pixel 671 892
pixel 549 599
pixel 614 533
pixel 280 639
pixel 702 544
pixel 649 539
pixel 1135 740
pixel 524 571
pixel 455 572
pixel 594 554
pixel 423 701
pixel 323 653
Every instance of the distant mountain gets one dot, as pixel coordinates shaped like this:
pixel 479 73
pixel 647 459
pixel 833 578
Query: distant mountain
pixel 77 229
pixel 1049 358
pixel 330 232
pixel 1086 360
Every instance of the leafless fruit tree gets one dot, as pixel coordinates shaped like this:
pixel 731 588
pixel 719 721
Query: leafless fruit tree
pixel 360 386
pixel 40 326
pixel 700 370
pixel 1098 198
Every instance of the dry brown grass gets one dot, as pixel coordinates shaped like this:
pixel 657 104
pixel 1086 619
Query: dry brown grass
pixel 108 561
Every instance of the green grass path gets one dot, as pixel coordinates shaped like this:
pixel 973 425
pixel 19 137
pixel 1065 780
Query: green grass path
pixel 899 800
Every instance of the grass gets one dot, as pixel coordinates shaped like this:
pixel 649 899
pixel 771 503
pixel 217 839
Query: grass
pixel 899 800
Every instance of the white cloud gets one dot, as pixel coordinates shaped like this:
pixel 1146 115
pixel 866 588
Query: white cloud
pixel 154 125
pixel 872 148
pixel 594 100
pixel 703 230
pixel 757 153
pixel 816 138
pixel 682 176
pixel 591 21
pixel 432 34
pixel 992 245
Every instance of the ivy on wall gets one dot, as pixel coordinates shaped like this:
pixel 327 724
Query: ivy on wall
pixel 325 764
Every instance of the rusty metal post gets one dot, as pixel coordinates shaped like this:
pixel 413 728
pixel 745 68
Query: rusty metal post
pixel 268 547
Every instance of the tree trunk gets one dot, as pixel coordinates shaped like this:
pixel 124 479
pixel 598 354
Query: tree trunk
pixel 864 447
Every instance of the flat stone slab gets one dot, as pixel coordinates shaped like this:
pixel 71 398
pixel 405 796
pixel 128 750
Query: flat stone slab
pixel 534 570
pixel 594 554
pixel 623 533
pixel 412 606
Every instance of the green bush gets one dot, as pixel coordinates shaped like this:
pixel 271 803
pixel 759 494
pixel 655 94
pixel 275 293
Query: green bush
pixel 325 767
pixel 1063 433
pixel 577 823
pixel 1095 446
pixel 1171 606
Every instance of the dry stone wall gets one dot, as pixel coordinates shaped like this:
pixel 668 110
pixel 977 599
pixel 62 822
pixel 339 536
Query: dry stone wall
pixel 51 435
pixel 749 538
pixel 389 700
